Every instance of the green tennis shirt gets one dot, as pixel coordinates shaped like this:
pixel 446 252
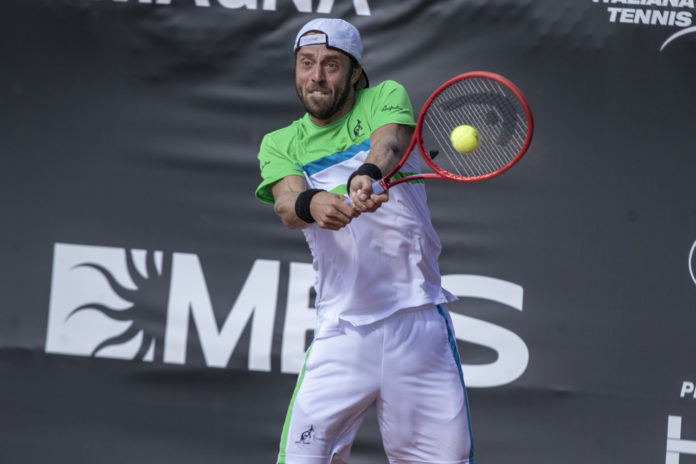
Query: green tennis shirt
pixel 303 149
pixel 380 262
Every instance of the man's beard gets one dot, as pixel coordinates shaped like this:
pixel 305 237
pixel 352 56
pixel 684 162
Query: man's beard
pixel 330 109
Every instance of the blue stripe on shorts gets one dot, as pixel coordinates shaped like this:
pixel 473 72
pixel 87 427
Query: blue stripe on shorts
pixel 455 353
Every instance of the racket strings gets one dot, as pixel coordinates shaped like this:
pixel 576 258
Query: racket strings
pixel 442 123
pixel 489 107
pixel 488 99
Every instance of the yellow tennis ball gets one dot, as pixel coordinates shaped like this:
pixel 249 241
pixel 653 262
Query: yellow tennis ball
pixel 465 139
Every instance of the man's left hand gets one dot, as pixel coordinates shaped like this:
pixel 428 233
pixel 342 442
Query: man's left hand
pixel 361 197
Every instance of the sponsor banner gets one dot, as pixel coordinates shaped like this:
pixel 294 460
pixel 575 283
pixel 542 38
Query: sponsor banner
pixel 141 305
pixel 326 7
pixel 665 14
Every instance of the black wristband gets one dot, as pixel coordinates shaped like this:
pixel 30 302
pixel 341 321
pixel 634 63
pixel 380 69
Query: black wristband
pixel 366 169
pixel 302 204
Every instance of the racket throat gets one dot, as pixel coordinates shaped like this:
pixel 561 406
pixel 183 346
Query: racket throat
pixel 379 186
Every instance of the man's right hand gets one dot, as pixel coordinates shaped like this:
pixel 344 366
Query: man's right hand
pixel 331 211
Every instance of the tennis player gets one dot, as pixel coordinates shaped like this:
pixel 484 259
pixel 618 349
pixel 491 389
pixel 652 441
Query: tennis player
pixel 383 333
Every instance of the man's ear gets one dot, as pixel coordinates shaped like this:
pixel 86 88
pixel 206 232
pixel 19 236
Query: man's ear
pixel 357 72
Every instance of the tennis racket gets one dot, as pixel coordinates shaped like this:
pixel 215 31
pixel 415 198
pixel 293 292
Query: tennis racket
pixel 491 104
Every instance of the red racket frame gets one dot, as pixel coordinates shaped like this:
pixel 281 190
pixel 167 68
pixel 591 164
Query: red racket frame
pixel 385 182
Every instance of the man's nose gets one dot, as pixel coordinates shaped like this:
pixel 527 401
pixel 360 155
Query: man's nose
pixel 317 73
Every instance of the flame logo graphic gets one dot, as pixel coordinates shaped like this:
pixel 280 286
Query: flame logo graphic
pixel 148 300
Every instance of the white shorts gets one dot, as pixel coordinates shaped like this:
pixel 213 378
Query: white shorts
pixel 408 364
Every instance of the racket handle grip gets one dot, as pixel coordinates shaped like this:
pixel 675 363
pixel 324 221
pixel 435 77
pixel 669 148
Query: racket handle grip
pixel 376 189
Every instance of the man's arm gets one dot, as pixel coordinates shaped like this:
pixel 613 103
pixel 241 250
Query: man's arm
pixel 330 211
pixel 387 146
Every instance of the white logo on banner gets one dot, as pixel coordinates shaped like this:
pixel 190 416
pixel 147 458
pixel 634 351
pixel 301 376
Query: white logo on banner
pixel 109 302
pixel 115 303
pixel 675 444
pixel 302 6
pixel 653 13
pixel 95 308
pixel 688 388
pixel 692 263
pixel 513 355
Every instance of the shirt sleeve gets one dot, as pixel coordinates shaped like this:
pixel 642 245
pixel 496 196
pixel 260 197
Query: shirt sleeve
pixel 392 106
pixel 275 165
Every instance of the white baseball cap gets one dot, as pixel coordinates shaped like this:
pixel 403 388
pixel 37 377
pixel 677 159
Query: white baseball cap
pixel 334 33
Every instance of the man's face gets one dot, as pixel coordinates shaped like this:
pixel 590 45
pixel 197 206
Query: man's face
pixel 324 82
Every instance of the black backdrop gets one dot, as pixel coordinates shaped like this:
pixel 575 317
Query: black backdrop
pixel 134 126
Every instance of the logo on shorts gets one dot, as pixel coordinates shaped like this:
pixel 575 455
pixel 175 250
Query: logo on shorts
pixel 306 436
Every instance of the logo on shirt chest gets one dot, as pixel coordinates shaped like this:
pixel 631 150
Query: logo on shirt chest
pixel 358 129
pixel 392 108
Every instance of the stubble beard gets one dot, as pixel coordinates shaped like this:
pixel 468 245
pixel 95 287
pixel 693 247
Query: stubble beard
pixel 327 110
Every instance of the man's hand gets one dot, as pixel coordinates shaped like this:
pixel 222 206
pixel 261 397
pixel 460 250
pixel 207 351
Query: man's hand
pixel 388 145
pixel 331 211
pixel 361 197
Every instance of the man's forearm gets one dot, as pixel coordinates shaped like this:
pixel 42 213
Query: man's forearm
pixel 388 146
